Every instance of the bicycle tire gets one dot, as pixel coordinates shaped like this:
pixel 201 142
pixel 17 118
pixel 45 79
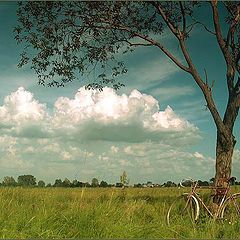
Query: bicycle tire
pixel 231 209
pixel 185 209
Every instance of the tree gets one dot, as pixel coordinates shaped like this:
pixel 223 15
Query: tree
pixel 172 184
pixel 58 183
pixel 66 183
pixel 9 181
pixel 124 179
pixel 71 37
pixel 86 184
pixel 26 181
pixel 41 183
pixel 103 184
pixel 95 182
pixel 75 183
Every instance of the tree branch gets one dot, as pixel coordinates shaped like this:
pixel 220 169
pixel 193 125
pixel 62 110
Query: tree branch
pixel 206 76
pixel 224 47
pixel 136 44
pixel 164 50
pixel 205 27
pixel 218 31
pixel 204 87
pixel 191 68
pixel 171 26
pixel 147 39
pixel 183 16
pixel 232 28
pixel 206 90
pixel 190 27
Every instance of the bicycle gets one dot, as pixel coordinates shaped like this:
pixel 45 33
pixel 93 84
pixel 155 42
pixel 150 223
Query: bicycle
pixel 186 208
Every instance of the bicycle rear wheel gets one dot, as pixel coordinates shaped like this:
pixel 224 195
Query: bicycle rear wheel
pixel 231 209
pixel 184 210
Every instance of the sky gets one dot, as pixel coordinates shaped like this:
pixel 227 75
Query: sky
pixel 156 128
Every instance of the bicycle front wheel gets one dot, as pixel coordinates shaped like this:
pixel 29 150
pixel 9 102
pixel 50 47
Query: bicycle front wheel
pixel 231 209
pixel 184 210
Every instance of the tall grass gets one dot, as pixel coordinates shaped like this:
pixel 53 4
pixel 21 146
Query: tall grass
pixel 98 213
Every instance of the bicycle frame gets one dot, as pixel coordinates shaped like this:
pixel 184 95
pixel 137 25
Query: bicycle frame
pixel 194 201
pixel 193 193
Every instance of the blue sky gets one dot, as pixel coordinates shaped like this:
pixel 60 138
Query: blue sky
pixel 43 132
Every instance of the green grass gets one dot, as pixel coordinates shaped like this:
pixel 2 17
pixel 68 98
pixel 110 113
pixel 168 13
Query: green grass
pixel 98 213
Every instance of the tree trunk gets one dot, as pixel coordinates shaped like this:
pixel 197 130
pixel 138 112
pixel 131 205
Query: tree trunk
pixel 224 153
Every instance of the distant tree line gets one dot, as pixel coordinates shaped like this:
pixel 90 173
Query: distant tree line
pixel 30 181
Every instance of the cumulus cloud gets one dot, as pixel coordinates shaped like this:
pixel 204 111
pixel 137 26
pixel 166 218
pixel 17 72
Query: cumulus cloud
pixel 21 108
pixel 22 115
pixel 105 115
pixel 94 115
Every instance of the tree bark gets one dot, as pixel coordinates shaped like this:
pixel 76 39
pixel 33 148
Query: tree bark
pixel 224 153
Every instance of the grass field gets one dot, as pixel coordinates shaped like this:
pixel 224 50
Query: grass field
pixel 98 213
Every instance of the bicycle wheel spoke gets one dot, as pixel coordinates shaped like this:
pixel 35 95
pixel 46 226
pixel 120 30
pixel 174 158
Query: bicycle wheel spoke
pixel 231 209
pixel 236 206
pixel 182 211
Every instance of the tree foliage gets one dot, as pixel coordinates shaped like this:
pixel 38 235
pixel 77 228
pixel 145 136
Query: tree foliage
pixel 66 183
pixel 69 38
pixel 26 180
pixel 124 179
pixel 103 184
pixel 41 183
pixel 9 181
pixel 95 182
pixel 58 183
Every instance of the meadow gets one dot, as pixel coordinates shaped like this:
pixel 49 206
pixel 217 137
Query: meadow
pixel 99 213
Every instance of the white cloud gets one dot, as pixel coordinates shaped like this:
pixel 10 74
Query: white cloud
pixel 143 161
pixel 198 155
pixel 23 116
pixel 154 161
pixel 21 108
pixel 128 150
pixel 94 115
pixel 157 70
pixel 66 155
pixel 166 93
pixel 114 149
pixel 30 149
